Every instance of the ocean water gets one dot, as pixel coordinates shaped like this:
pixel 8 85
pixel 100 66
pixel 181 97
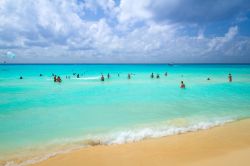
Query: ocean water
pixel 40 118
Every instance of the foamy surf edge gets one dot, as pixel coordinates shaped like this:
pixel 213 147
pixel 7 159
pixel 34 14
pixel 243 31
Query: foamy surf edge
pixel 126 136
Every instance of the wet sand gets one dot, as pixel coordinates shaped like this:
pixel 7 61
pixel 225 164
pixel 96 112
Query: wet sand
pixel 227 145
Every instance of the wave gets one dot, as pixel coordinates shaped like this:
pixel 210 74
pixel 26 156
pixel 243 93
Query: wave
pixel 173 127
pixel 170 128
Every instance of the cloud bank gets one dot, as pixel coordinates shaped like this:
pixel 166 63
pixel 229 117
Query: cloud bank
pixel 126 31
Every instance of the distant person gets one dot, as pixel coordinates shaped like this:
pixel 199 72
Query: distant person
pixel 41 75
pixel 58 79
pixel 230 78
pixel 152 75
pixel 118 75
pixel 166 74
pixel 208 79
pixel 157 76
pixel 129 76
pixel 78 76
pixel 102 78
pixel 54 78
pixel 182 85
pixel 108 76
pixel 21 78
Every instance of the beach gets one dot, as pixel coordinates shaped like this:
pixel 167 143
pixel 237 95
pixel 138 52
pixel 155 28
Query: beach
pixel 40 118
pixel 224 145
pixel 123 82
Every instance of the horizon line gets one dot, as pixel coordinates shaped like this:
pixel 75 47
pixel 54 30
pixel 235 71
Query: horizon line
pixel 247 63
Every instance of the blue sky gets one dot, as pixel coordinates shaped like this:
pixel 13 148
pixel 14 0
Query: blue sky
pixel 125 31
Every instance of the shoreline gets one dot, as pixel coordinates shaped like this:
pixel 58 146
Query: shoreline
pixel 222 145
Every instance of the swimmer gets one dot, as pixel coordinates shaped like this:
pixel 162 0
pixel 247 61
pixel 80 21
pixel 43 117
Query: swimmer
pixel 208 78
pixel 230 78
pixel 41 75
pixel 108 76
pixel 152 75
pixel 21 78
pixel 157 76
pixel 102 78
pixel 166 74
pixel 182 85
pixel 78 76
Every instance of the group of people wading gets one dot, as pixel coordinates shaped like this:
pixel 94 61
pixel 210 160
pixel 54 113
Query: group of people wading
pixel 57 79
pixel 182 85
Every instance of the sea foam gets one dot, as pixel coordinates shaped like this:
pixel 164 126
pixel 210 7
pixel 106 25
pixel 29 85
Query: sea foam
pixel 125 136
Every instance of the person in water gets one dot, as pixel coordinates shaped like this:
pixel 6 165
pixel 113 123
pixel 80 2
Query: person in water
pixel 41 75
pixel 230 78
pixel 54 78
pixel 78 76
pixel 102 78
pixel 129 75
pixel 108 76
pixel 208 78
pixel 182 85
pixel 166 74
pixel 152 75
pixel 157 76
pixel 58 79
pixel 21 78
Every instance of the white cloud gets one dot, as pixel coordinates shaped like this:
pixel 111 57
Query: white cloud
pixel 131 11
pixel 218 42
pixel 52 31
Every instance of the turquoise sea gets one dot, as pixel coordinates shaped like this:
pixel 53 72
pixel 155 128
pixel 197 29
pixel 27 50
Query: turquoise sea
pixel 40 118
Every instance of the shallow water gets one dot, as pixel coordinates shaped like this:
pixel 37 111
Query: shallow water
pixel 38 115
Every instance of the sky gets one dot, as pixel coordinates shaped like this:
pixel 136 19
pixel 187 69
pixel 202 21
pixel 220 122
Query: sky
pixel 125 31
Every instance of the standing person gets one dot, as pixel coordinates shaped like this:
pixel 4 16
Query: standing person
pixel 54 78
pixel 58 79
pixel 230 78
pixel 129 75
pixel 102 78
pixel 78 76
pixel 108 76
pixel 182 85
pixel 152 75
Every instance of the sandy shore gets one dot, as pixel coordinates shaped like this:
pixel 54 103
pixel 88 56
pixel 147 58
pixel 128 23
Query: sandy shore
pixel 227 145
